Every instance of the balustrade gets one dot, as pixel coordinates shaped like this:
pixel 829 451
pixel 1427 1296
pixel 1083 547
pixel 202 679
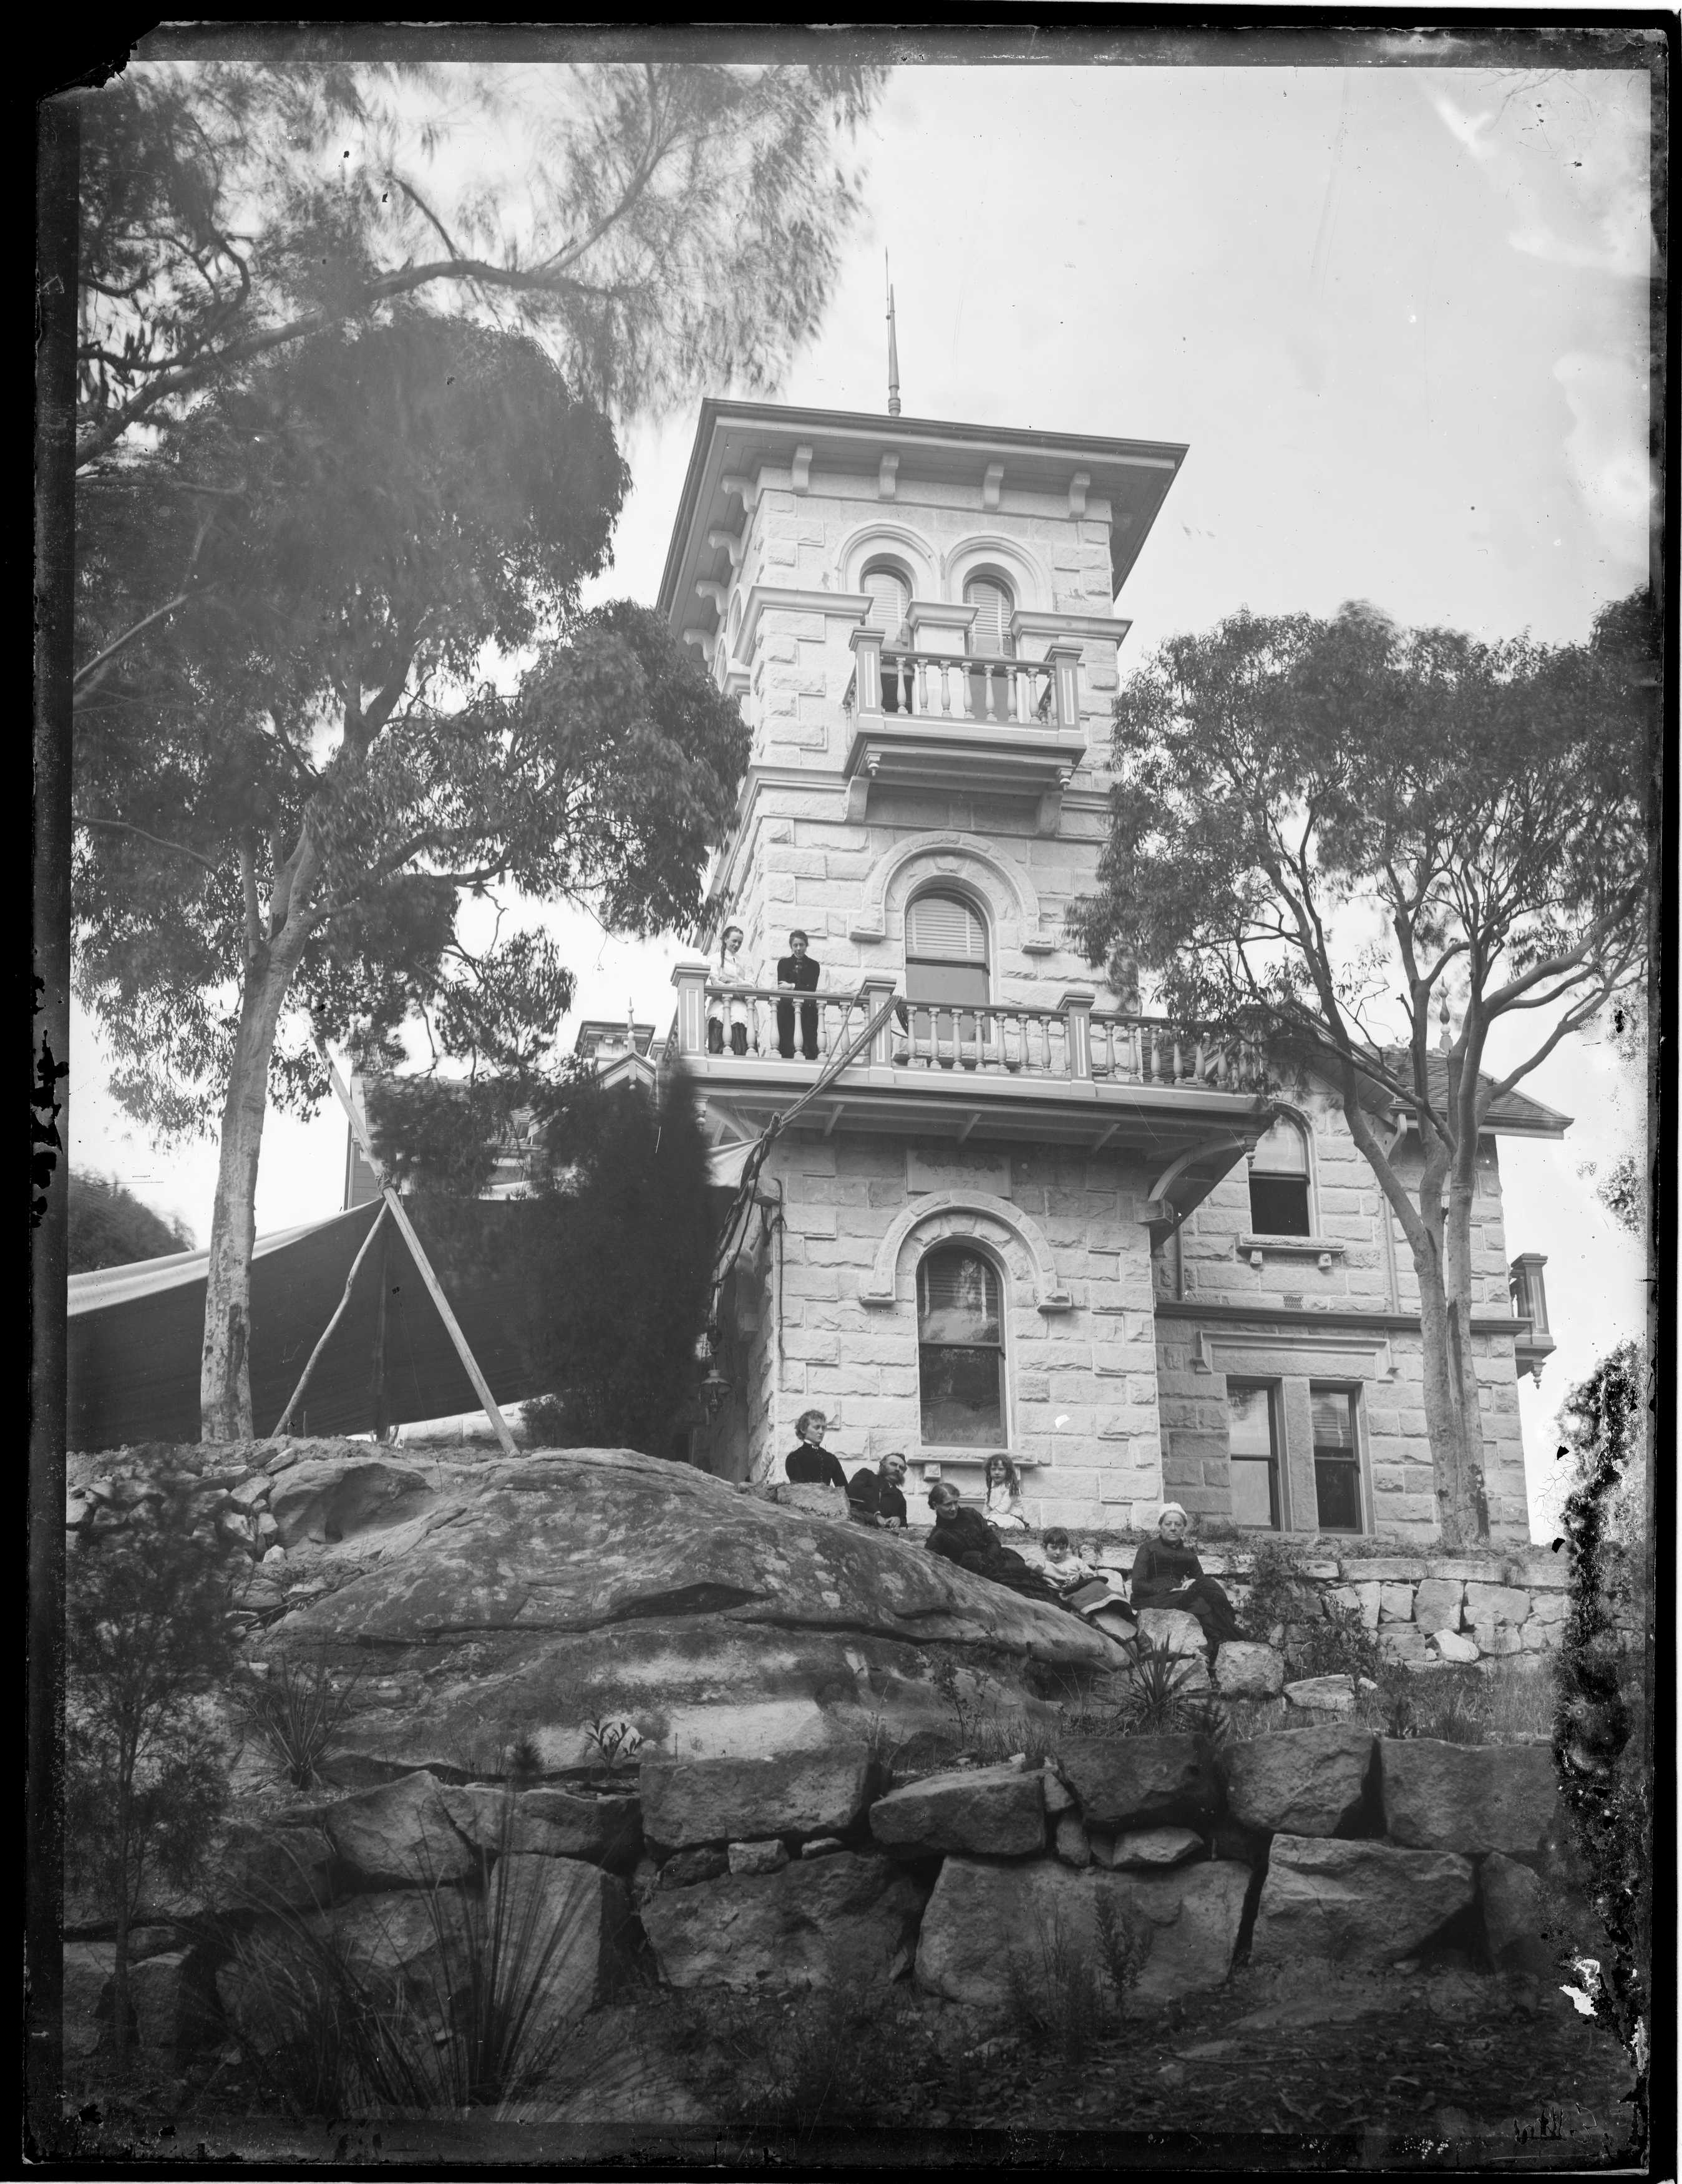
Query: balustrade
pixel 998 1041
pixel 995 689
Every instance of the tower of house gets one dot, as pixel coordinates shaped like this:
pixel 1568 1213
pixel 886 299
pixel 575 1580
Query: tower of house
pixel 1022 1217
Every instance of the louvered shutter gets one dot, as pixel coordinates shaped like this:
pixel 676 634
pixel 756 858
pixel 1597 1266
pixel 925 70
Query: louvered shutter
pixel 888 601
pixel 990 634
pixel 944 926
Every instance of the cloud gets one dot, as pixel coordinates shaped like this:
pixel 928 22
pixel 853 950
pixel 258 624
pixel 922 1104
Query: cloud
pixel 1606 450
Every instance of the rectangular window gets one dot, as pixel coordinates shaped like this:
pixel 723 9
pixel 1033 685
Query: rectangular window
pixel 1254 1450
pixel 961 1350
pixel 1337 1465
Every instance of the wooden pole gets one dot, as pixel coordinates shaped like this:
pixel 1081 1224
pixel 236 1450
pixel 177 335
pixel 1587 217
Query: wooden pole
pixel 381 1390
pixel 417 1251
pixel 285 1419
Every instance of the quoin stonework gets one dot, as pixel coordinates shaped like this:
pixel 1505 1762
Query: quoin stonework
pixel 1024 1216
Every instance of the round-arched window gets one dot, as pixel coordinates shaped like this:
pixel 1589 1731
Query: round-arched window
pixel 1278 1182
pixel 960 1349
pixel 890 596
pixel 990 637
pixel 945 950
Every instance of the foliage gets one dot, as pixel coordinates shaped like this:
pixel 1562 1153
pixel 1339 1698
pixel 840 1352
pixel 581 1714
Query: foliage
pixel 1279 1594
pixel 620 1262
pixel 297 1708
pixel 614 1740
pixel 1463 1703
pixel 1320 832
pixel 149 1632
pixel 802 2062
pixel 664 226
pixel 335 2036
pixel 1074 1994
pixel 1338 1644
pixel 1603 1732
pixel 110 1227
pixel 1152 1699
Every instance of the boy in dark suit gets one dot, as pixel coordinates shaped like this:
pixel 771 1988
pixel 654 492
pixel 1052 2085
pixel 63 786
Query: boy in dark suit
pixel 798 970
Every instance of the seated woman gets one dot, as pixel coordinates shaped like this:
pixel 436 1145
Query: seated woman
pixel 1167 1573
pixel 964 1536
pixel 1004 1497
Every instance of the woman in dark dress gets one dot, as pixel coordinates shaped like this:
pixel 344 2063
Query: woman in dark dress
pixel 964 1536
pixel 1167 1573
pixel 809 1463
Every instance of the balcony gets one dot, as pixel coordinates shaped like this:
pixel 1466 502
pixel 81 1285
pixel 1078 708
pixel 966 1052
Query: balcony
pixel 1015 723
pixel 1069 1073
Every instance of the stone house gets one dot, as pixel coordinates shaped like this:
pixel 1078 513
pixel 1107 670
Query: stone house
pixel 1021 1216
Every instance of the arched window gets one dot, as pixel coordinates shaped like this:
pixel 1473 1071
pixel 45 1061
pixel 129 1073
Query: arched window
pixel 990 637
pixel 890 595
pixel 960 1349
pixel 1278 1182
pixel 945 950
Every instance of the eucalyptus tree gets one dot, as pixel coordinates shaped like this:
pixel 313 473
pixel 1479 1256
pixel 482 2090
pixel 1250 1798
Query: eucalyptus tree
pixel 287 785
pixel 1324 834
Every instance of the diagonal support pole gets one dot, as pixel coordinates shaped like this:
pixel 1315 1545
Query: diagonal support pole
pixel 284 1423
pixel 481 1387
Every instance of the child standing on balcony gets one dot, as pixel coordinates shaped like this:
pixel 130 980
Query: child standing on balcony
pixel 722 1009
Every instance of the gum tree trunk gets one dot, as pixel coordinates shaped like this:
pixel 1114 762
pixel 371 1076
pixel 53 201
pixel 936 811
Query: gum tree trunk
pixel 224 1364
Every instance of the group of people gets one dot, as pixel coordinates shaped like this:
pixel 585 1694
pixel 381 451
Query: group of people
pixel 727 1014
pixel 1166 1570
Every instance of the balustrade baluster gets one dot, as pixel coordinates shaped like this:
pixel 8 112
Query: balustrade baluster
pixel 945 686
pixel 923 684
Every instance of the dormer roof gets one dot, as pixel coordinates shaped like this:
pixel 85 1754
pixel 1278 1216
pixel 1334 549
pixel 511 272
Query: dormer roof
pixel 736 439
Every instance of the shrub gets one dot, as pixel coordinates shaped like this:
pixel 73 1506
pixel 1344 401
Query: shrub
pixel 1339 1645
pixel 1071 1995
pixel 296 1710
pixel 334 2039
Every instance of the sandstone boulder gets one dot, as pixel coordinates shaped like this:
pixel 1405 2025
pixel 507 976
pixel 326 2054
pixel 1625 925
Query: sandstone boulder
pixel 571 1922
pixel 1495 1614
pixel 1436 1604
pixel 991 1928
pixel 531 1594
pixel 689 1866
pixel 759 1857
pixel 838 1921
pixel 1468 1797
pixel 1355 1903
pixel 1072 1844
pixel 1141 1782
pixel 324 1501
pixel 1526 1918
pixel 265 1868
pixel 1173 1628
pixel 697 1801
pixel 172 1997
pixel 1336 1694
pixel 1302 1782
pixel 997 1812
pixel 1245 1670
pixel 1146 1847
pixel 549 1823
pixel 1455 1646
pixel 1406 1644
pixel 406 1947
pixel 401 1832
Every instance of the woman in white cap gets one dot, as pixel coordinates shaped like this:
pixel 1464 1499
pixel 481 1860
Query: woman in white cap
pixel 721 1008
pixel 1167 1573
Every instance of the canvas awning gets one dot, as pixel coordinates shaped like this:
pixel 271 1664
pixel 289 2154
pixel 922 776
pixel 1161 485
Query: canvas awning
pixel 136 1332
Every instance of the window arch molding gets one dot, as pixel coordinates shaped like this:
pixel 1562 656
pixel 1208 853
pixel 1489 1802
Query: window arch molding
pixel 990 554
pixel 896 544
pixel 1008 898
pixel 1018 1245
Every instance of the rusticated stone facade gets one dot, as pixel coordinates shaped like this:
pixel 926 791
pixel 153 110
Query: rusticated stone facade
pixel 920 621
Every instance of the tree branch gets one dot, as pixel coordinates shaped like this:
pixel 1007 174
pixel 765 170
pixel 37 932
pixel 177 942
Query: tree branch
pixel 175 849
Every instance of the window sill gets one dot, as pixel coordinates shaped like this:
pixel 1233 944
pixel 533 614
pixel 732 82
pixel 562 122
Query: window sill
pixel 977 1457
pixel 1324 1249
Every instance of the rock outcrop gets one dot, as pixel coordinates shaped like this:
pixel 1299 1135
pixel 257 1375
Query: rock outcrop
pixel 1300 1782
pixel 991 1930
pixel 523 1597
pixel 845 1921
pixel 1468 1797
pixel 994 1812
pixel 1141 1782
pixel 1355 1903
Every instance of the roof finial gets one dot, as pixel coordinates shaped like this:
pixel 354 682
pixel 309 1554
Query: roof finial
pixel 1444 1042
pixel 893 347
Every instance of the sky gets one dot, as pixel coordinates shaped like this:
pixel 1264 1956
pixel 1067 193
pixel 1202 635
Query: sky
pixel 1398 316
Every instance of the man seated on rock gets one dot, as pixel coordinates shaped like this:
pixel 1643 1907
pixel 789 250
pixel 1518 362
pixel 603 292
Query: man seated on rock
pixel 964 1536
pixel 1167 1573
pixel 876 1495
pixel 809 1463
